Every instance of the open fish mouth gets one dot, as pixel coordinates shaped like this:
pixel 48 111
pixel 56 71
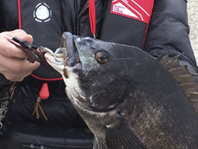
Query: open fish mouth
pixel 67 49
pixel 66 57
pixel 54 59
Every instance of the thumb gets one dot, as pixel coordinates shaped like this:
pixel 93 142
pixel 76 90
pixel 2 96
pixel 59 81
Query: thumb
pixel 21 34
pixel 27 37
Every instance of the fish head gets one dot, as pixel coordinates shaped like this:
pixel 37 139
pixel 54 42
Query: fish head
pixel 99 76
pixel 97 73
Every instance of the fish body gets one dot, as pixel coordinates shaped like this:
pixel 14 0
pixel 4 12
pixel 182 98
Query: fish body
pixel 126 97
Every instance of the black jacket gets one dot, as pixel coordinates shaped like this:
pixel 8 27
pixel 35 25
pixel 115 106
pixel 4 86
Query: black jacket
pixel 168 31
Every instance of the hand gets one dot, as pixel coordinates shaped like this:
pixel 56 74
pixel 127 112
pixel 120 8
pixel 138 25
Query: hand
pixel 12 59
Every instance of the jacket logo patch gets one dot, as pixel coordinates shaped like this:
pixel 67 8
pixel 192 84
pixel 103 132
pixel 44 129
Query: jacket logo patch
pixel 136 9
pixel 42 13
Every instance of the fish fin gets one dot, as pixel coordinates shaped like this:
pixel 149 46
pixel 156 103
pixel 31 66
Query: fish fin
pixel 186 80
pixel 120 136
pixel 98 144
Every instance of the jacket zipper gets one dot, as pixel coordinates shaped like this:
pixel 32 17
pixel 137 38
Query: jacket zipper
pixel 85 7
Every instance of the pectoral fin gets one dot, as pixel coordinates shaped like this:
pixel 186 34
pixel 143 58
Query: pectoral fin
pixel 98 144
pixel 120 136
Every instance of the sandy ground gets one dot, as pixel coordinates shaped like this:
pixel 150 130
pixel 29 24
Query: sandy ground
pixel 193 22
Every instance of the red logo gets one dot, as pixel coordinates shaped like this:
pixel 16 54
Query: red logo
pixel 137 9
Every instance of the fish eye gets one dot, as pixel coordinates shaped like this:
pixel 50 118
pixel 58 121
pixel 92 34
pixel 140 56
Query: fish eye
pixel 102 57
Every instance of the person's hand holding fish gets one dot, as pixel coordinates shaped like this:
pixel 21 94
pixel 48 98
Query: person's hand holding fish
pixel 12 59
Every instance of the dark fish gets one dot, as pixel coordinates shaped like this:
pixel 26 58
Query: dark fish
pixel 128 99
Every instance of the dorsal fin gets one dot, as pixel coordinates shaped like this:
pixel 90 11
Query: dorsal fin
pixel 186 80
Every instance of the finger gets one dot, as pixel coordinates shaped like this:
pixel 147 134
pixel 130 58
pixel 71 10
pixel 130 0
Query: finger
pixel 16 76
pixel 17 65
pixel 20 34
pixel 8 49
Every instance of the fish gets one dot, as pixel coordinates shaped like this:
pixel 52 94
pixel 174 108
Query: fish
pixel 127 98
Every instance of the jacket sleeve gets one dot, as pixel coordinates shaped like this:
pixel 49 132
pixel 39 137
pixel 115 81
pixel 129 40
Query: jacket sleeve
pixel 4 81
pixel 169 31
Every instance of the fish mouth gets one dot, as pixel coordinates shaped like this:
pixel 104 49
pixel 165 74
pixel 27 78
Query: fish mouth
pixel 65 58
pixel 54 58
pixel 68 50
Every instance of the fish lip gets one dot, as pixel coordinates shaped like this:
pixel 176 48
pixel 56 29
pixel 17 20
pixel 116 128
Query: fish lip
pixel 75 58
pixel 71 50
pixel 53 59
